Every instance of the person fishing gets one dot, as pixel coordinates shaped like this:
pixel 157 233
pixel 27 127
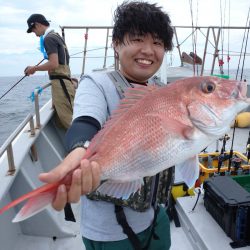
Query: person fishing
pixel 63 90
pixel 142 33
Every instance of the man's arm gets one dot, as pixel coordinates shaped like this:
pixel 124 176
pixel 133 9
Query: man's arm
pixel 51 64
pixel 86 176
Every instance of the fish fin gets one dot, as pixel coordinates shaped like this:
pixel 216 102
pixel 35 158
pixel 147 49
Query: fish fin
pixel 120 189
pixel 34 205
pixel 188 171
pixel 35 192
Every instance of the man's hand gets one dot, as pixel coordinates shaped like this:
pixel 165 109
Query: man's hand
pixel 30 70
pixel 85 178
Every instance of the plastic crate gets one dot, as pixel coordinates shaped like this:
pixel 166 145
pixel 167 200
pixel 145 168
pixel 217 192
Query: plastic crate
pixel 208 163
pixel 229 204
pixel 244 181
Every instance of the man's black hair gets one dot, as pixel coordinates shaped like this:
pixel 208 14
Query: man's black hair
pixel 140 18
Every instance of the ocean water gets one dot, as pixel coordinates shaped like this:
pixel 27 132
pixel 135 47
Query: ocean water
pixel 16 105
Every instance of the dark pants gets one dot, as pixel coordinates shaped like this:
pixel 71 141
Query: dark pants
pixel 162 230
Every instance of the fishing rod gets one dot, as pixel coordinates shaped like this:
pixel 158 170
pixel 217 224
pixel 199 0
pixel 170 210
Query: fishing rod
pixel 18 82
pixel 231 150
pixel 222 156
pixel 248 148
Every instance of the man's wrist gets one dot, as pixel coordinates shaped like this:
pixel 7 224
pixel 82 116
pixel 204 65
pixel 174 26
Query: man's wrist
pixel 80 144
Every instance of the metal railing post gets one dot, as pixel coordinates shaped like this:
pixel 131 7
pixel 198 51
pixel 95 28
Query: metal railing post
pixel 106 49
pixel 32 127
pixel 38 123
pixel 178 46
pixel 215 50
pixel 85 50
pixel 12 168
pixel 7 146
pixel 205 52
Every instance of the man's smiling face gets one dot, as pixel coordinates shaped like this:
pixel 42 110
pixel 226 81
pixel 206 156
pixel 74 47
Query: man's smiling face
pixel 140 56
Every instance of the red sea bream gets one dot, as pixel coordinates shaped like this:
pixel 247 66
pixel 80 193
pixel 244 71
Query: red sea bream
pixel 153 129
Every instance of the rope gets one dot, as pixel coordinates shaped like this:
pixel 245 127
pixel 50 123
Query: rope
pixel 86 51
pixel 187 37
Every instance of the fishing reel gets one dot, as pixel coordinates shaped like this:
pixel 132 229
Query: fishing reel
pixel 223 157
pixel 225 138
pixel 248 152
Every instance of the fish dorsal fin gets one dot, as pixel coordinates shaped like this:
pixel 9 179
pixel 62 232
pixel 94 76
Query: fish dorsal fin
pixel 132 97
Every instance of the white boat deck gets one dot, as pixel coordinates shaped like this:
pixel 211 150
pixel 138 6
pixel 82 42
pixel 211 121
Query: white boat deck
pixel 200 228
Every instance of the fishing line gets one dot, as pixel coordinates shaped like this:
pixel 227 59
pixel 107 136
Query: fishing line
pixel 244 57
pixel 228 36
pixel 191 12
pixel 222 21
pixel 242 45
pixel 17 82
pixel 196 35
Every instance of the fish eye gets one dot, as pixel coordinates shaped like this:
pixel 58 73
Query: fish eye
pixel 208 87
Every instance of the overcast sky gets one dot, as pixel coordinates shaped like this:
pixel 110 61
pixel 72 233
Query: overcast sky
pixel 19 49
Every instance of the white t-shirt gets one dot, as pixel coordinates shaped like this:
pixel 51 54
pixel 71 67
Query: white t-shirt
pixel 97 97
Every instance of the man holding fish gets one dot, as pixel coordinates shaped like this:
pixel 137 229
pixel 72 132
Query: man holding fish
pixel 141 35
pixel 124 174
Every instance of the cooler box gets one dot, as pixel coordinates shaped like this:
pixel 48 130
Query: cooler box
pixel 229 204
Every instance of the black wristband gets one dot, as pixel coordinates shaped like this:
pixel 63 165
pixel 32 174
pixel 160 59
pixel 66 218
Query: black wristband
pixel 80 144
pixel 82 129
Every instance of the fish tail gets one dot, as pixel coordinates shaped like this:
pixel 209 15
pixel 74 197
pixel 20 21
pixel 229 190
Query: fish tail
pixel 36 199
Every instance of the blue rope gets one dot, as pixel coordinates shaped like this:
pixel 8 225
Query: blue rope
pixel 32 95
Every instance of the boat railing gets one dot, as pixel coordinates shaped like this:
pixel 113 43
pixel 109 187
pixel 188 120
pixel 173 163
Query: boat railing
pixel 213 36
pixel 105 47
pixel 7 146
pixel 37 112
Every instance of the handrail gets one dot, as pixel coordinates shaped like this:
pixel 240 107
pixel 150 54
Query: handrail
pixel 12 137
pixel 7 145
pixel 193 28
pixel 176 26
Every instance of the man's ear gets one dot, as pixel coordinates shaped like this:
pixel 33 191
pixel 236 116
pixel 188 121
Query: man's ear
pixel 114 45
